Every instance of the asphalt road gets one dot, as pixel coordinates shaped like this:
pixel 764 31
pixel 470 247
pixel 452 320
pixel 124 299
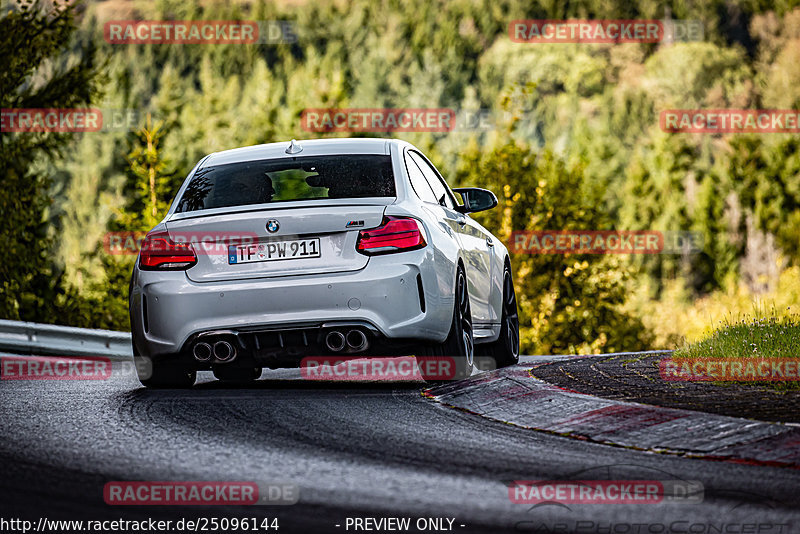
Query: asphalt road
pixel 355 450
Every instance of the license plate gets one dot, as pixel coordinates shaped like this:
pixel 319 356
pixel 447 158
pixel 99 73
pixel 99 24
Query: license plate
pixel 274 250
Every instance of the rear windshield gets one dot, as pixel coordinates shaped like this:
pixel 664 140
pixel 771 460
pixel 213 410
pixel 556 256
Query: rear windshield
pixel 289 179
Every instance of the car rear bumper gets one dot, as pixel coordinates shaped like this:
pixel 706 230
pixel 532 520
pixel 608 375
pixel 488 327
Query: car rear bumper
pixel 168 310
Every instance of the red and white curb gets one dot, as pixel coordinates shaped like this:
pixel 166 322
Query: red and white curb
pixel 513 396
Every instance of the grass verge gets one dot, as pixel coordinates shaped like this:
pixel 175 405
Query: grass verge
pixel 754 341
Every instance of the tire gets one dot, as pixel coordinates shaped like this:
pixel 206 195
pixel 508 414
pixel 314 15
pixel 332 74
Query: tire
pixel 164 374
pixel 458 350
pixel 505 350
pixel 237 375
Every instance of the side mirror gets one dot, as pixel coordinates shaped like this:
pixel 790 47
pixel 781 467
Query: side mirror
pixel 476 199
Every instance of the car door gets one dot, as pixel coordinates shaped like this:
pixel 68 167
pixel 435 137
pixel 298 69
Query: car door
pixel 475 241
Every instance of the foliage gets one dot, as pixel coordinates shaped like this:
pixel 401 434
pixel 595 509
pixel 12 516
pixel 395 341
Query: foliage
pixel 567 302
pixel 37 72
pixel 766 335
pixel 150 183
pixel 582 149
pixel 677 318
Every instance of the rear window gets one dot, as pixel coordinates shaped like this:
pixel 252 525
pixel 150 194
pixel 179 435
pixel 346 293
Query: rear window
pixel 289 179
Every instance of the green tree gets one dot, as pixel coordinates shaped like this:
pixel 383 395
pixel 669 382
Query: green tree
pixel 150 187
pixel 766 178
pixel 148 190
pixel 42 68
pixel 567 302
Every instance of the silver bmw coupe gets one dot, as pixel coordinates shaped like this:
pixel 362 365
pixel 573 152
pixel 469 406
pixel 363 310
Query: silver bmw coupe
pixel 339 247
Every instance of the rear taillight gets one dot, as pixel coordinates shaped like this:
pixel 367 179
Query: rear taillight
pixel 395 234
pixel 160 253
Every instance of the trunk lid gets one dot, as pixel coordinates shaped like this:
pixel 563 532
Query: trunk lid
pixel 289 250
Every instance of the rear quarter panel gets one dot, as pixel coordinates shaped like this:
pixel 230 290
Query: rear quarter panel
pixel 443 250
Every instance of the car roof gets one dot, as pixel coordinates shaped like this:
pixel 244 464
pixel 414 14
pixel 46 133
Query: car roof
pixel 310 147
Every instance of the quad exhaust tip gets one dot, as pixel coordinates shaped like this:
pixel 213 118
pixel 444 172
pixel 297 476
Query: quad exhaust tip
pixel 357 340
pixel 224 351
pixel 335 341
pixel 202 352
pixel 221 350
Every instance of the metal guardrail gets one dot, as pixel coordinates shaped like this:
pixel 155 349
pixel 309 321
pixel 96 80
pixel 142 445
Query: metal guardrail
pixel 20 337
pixel 40 339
